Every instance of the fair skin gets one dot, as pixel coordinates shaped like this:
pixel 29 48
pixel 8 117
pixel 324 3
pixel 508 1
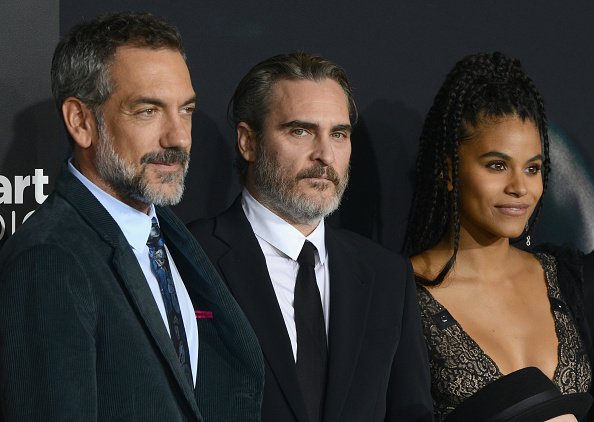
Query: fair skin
pixel 308 125
pixel 496 292
pixel 149 111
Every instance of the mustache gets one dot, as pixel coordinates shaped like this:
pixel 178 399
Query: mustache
pixel 319 171
pixel 167 156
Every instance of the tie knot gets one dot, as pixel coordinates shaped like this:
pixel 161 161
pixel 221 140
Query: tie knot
pixel 155 234
pixel 307 255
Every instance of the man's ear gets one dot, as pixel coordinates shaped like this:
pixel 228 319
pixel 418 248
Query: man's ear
pixel 80 122
pixel 246 142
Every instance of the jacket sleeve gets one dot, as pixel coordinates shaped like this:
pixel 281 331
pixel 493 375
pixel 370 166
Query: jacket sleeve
pixel 409 390
pixel 47 354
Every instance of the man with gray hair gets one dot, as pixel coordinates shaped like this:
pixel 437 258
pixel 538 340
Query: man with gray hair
pixel 96 323
pixel 336 315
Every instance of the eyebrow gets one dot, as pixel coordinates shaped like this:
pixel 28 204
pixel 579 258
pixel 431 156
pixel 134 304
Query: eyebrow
pixel 158 102
pixel 310 125
pixel 506 157
pixel 191 100
pixel 347 128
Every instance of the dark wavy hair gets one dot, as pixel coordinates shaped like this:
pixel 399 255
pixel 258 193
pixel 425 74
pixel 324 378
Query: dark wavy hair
pixel 251 100
pixel 480 87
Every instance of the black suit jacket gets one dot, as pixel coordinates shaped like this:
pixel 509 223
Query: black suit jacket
pixel 81 335
pixel 377 356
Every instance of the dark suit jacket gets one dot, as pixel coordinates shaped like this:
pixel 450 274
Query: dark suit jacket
pixel 82 338
pixel 377 356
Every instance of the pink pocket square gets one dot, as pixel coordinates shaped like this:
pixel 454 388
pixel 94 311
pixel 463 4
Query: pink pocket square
pixel 203 314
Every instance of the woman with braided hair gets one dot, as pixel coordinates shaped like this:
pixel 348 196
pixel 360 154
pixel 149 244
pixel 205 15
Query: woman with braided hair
pixel 490 308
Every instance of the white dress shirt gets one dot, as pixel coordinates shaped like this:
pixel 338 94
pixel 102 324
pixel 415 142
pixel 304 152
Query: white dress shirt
pixel 281 244
pixel 136 227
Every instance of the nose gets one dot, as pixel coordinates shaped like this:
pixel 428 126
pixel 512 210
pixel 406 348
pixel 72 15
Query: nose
pixel 177 132
pixel 323 150
pixel 516 185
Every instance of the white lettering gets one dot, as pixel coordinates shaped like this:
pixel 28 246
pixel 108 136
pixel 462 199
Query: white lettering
pixel 29 214
pixel 20 183
pixel 5 190
pixel 13 221
pixel 39 180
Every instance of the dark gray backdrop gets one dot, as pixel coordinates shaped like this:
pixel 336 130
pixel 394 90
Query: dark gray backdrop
pixel 396 53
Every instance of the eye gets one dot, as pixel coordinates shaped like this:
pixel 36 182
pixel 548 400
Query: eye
pixel 339 135
pixel 188 109
pixel 299 132
pixel 147 112
pixel 533 169
pixel 497 165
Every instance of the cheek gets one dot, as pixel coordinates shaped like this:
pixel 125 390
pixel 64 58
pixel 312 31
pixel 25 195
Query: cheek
pixel 131 154
pixel 343 157
pixel 128 144
pixel 292 160
pixel 478 192
pixel 472 186
pixel 289 166
pixel 536 187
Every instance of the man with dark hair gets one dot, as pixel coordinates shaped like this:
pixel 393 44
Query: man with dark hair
pixel 95 320
pixel 336 315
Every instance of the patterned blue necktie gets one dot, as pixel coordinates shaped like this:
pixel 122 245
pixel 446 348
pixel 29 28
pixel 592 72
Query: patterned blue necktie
pixel 162 271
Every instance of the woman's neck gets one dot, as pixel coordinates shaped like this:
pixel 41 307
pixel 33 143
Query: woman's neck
pixel 480 259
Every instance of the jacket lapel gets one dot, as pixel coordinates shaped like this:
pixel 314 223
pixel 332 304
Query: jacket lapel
pixel 227 332
pixel 129 271
pixel 141 297
pixel 350 287
pixel 244 268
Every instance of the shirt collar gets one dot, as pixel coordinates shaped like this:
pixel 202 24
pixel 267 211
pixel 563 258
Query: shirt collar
pixel 135 225
pixel 280 234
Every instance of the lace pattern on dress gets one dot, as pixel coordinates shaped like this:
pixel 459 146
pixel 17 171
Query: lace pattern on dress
pixel 459 367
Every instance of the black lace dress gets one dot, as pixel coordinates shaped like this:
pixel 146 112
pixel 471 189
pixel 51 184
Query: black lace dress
pixel 459 367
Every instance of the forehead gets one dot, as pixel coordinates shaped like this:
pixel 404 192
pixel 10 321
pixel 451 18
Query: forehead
pixel 309 100
pixel 146 71
pixel 506 134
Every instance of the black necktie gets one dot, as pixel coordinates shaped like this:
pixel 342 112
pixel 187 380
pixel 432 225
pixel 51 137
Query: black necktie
pixel 312 349
pixel 162 271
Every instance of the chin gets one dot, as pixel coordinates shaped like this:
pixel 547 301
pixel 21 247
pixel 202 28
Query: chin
pixel 515 234
pixel 167 193
pixel 321 199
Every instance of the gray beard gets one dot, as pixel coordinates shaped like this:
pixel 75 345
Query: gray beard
pixel 278 191
pixel 123 179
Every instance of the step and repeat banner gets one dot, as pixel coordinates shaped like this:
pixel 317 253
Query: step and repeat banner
pixel 396 53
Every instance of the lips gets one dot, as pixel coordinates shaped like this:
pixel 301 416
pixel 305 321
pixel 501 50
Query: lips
pixel 166 166
pixel 316 178
pixel 513 210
